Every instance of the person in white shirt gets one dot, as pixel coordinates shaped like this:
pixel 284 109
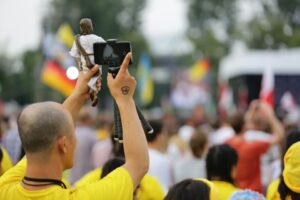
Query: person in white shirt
pixel 160 165
pixel 194 166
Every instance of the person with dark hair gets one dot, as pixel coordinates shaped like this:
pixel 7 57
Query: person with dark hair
pixel 160 165
pixel 272 191
pixel 48 137
pixel 251 151
pixel 221 162
pixel 111 165
pixel 194 166
pixel 191 189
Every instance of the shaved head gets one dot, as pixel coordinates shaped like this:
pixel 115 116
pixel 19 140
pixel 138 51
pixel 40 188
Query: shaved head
pixel 40 124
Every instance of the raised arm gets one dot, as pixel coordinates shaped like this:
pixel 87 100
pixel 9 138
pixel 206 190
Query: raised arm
pixel 80 93
pixel 276 126
pixel 135 145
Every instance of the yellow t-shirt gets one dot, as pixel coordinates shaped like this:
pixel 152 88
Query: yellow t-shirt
pixel 88 178
pixel 149 189
pixel 225 189
pixel 116 185
pixel 272 192
pixel 6 163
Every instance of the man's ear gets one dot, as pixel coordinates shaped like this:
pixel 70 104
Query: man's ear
pixel 62 144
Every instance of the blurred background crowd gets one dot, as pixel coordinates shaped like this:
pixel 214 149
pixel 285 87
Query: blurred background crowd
pixel 219 81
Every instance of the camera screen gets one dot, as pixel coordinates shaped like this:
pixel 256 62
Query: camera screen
pixel 111 54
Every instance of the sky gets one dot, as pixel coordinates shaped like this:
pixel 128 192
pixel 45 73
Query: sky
pixel 163 22
pixel 158 24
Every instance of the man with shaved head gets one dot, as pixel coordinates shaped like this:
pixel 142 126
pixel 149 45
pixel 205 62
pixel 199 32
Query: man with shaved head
pixel 47 134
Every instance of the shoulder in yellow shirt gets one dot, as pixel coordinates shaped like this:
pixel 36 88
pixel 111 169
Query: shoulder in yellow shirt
pixel 225 189
pixel 116 185
pixel 272 192
pixel 6 163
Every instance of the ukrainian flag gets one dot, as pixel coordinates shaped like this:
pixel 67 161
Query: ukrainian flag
pixel 144 80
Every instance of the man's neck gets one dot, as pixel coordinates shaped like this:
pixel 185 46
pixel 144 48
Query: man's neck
pixel 41 168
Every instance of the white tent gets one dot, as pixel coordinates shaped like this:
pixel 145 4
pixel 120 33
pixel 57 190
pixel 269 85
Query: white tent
pixel 252 62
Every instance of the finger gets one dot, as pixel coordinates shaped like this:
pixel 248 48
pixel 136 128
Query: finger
pixel 124 66
pixel 93 71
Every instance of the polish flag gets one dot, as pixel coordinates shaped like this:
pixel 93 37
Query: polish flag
pixel 267 86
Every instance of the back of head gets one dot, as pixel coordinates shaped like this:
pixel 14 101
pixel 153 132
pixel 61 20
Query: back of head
pixel 86 26
pixel 189 189
pixel 237 122
pixel 111 165
pixel 198 143
pixel 157 130
pixel 86 116
pixel 292 138
pixel 220 161
pixel 40 124
pixel 260 123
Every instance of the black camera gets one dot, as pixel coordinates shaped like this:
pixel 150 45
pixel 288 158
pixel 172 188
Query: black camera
pixel 111 53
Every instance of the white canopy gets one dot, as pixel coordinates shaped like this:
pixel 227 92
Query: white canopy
pixel 285 61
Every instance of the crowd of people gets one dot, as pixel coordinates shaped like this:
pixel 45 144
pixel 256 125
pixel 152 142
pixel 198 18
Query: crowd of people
pixel 67 151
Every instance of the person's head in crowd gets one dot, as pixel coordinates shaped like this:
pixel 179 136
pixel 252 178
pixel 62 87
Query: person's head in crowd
pixel 260 123
pixel 247 195
pixel 292 137
pixel 86 26
pixel 47 132
pixel 111 165
pixel 4 124
pixel 191 189
pixel 237 122
pixel 198 143
pixel 86 117
pixel 159 138
pixel 196 116
pixel 221 162
pixel 104 122
pixel 289 186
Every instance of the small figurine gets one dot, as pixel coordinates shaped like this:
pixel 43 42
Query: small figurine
pixel 82 50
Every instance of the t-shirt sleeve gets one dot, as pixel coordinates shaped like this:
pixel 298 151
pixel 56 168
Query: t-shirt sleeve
pixel 116 185
pixel 15 174
pixel 74 51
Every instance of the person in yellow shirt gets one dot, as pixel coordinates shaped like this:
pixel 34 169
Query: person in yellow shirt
pixel 6 162
pixel 221 162
pixel 148 189
pixel 272 191
pixel 47 134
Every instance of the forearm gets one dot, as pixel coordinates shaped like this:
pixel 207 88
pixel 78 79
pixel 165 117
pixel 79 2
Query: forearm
pixel 73 104
pixel 277 129
pixel 135 144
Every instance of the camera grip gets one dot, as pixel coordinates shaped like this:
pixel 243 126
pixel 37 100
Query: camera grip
pixel 118 131
pixel 146 126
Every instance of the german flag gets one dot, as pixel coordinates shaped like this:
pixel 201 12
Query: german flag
pixel 55 77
